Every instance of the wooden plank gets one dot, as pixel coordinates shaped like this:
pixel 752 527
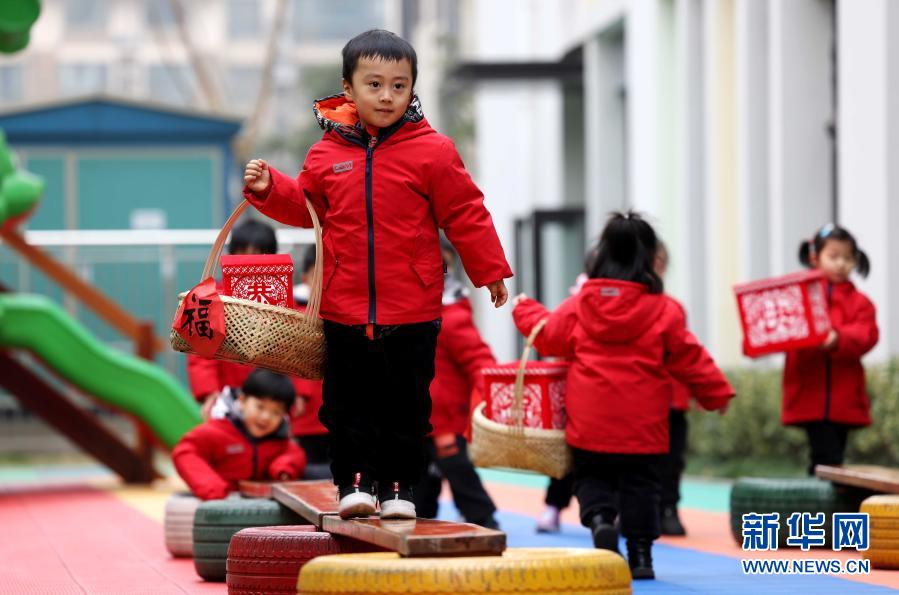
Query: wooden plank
pixel 316 502
pixel 884 480
pixel 420 537
pixel 312 500
pixel 256 489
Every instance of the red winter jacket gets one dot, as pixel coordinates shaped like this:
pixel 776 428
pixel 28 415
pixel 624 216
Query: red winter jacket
pixel 625 344
pixel 680 399
pixel 830 385
pixel 212 375
pixel 217 454
pixel 461 354
pixel 381 201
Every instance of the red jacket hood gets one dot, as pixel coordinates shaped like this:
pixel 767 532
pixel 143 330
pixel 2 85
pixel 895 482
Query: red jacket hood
pixel 338 116
pixel 618 311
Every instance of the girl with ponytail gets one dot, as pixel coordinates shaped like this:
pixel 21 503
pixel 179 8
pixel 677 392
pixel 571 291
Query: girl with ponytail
pixel 824 387
pixel 625 339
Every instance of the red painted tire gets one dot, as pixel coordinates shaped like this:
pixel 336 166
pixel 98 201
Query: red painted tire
pixel 269 559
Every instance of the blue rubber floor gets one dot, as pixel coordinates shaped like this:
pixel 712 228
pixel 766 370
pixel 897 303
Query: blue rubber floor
pixel 679 570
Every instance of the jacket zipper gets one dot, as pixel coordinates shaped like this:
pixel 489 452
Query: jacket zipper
pixel 828 363
pixel 370 217
pixel 369 210
pixel 255 459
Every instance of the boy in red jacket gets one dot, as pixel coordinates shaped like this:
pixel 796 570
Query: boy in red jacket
pixel 383 183
pixel 251 442
pixel 461 355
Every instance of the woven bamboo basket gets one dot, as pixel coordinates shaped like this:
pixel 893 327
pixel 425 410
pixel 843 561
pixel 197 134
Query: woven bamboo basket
pixel 516 446
pixel 266 336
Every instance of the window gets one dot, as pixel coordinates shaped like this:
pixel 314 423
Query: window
pixel 171 83
pixel 244 19
pixel 82 79
pixel 336 20
pixel 11 88
pixel 88 15
pixel 243 87
pixel 160 13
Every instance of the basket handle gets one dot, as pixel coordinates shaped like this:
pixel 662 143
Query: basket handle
pixel 518 395
pixel 316 290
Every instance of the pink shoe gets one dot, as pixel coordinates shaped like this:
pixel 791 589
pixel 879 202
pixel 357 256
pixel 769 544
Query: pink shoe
pixel 549 520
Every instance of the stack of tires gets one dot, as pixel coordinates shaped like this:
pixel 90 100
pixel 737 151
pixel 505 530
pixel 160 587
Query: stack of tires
pixel 179 524
pixel 883 515
pixel 784 496
pixel 216 521
pixel 269 559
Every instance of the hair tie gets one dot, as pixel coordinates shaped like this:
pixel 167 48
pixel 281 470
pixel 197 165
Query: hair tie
pixel 826 230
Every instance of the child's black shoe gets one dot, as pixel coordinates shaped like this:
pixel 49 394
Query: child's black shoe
pixel 356 499
pixel 605 535
pixel 671 524
pixel 396 500
pixel 639 558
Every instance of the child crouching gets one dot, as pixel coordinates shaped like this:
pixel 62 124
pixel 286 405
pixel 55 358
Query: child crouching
pixel 252 441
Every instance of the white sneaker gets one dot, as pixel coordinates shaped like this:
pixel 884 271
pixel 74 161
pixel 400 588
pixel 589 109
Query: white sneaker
pixel 396 502
pixel 356 500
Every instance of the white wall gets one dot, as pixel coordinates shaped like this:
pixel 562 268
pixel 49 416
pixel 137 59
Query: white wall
pixel 519 168
pixel 869 151
pixel 800 88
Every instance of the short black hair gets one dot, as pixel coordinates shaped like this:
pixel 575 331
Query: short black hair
pixel 377 43
pixel 256 234
pixel 265 384
pixel 308 260
pixel 832 231
pixel 626 252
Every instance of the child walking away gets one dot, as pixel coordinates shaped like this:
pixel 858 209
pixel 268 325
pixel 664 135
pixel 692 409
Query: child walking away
pixel 252 441
pixel 461 355
pixel 672 467
pixel 625 340
pixel 824 387
pixel 383 183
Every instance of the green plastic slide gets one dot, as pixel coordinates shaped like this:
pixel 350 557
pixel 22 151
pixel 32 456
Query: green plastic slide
pixel 126 382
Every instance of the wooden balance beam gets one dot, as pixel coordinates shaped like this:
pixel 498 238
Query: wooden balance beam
pixel 883 480
pixel 256 489
pixel 316 502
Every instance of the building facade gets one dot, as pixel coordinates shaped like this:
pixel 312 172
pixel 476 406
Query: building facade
pixel 739 126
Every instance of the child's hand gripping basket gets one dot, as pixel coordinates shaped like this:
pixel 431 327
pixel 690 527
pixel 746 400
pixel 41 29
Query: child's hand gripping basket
pixel 783 313
pixel 249 332
pixel 529 432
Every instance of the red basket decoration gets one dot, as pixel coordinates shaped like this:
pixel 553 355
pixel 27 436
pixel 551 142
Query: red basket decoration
pixel 262 278
pixel 783 313
pixel 543 397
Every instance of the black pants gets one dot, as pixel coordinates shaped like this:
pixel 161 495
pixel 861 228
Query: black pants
pixel 469 494
pixel 376 401
pixel 672 465
pixel 827 443
pixel 318 463
pixel 624 485
pixel 560 491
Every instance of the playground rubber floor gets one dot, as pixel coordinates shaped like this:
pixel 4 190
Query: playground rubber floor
pixel 75 530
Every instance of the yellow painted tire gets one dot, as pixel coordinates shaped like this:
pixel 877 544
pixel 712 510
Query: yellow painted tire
pixel 879 533
pixel 883 544
pixel 551 571
pixel 882 559
pixel 882 506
